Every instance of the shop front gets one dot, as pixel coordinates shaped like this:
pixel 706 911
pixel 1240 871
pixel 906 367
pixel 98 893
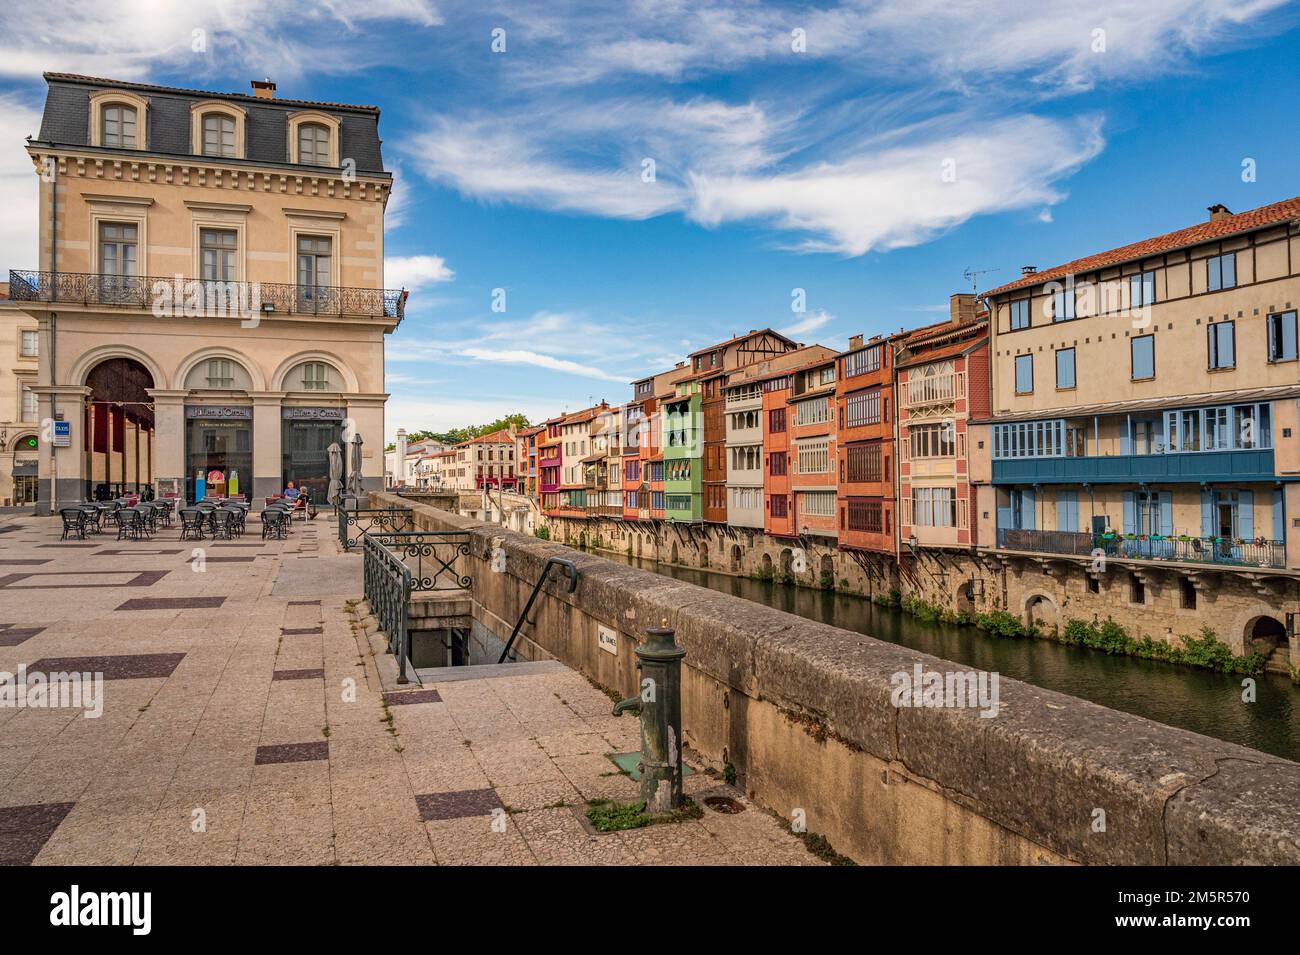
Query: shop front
pixel 218 451
pixel 306 435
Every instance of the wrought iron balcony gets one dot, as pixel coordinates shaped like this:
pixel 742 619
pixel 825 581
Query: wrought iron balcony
pixel 1174 548
pixel 204 298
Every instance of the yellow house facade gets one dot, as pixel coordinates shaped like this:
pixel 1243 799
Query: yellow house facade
pixel 1142 454
pixel 208 292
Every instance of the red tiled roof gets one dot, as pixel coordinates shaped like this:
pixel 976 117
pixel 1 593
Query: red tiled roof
pixel 737 338
pixel 1278 212
pixel 501 436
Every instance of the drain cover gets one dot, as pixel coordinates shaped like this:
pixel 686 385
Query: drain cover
pixel 723 804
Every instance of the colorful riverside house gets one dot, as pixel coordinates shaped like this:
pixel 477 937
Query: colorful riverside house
pixel 635 497
pixel 1144 405
pixel 942 373
pixel 813 470
pixel 526 460
pixel 601 469
pixel 550 463
pixel 743 396
pixel 864 396
pixel 575 438
pixel 778 517
pixel 711 366
pixel 683 453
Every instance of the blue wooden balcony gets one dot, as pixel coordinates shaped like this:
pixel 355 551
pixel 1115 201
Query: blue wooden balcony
pixel 1192 467
pixel 1258 552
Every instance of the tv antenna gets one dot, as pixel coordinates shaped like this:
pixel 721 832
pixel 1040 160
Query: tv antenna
pixel 972 276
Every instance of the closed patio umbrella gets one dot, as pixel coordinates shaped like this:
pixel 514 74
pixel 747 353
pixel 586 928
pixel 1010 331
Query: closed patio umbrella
pixel 336 474
pixel 354 469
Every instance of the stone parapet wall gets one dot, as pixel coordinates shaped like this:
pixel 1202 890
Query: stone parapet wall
pixel 803 711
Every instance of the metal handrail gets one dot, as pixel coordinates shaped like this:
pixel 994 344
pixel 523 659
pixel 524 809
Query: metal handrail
pixel 387 588
pixel 570 570
pixel 425 544
pixel 383 520
pixel 1180 548
pixel 143 291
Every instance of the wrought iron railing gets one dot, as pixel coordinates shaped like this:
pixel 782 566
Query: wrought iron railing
pixel 1252 552
pixel 387 588
pixel 430 556
pixel 204 298
pixel 353 522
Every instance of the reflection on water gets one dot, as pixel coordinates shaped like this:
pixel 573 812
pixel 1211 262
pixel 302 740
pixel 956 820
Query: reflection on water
pixel 1196 700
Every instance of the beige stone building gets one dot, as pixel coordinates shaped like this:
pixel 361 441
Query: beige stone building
pixel 209 292
pixel 1142 454
pixel 19 406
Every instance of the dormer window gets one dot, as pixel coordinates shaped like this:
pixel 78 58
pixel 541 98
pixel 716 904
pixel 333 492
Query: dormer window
pixel 217 129
pixel 118 119
pixel 118 126
pixel 314 139
pixel 219 135
pixel 313 145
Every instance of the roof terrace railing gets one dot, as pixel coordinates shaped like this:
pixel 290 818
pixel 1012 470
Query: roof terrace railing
pixel 199 298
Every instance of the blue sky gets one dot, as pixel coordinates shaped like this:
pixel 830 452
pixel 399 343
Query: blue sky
pixel 865 152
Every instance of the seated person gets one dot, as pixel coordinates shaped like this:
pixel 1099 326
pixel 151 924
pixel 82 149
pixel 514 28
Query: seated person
pixel 291 492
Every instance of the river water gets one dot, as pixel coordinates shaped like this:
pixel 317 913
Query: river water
pixel 1197 700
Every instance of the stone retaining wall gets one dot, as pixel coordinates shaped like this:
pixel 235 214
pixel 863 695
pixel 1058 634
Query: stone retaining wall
pixel 804 713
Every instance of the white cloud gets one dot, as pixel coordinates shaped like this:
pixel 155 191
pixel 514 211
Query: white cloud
pixel 908 194
pixel 808 325
pixel 792 141
pixel 19 186
pixel 134 38
pixel 521 356
pixel 414 272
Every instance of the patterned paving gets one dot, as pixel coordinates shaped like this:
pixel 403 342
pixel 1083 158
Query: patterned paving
pixel 245 721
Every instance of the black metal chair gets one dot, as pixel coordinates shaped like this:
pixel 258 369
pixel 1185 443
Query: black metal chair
pixel 275 523
pixel 236 518
pixel 74 523
pixel 130 526
pixel 219 521
pixel 191 524
pixel 92 517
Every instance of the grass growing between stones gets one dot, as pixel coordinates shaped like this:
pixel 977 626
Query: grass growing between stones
pixel 605 815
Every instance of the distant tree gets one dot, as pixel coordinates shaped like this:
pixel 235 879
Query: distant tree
pixel 456 435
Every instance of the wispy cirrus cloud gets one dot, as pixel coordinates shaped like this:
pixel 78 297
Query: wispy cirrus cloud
pixel 827 131
pixel 133 39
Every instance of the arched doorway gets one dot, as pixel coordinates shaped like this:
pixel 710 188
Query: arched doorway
pixel 24 454
pixel 672 554
pixel 787 564
pixel 767 566
pixel 119 429
pixel 965 600
pixel 1040 611
pixel 735 558
pixel 1266 635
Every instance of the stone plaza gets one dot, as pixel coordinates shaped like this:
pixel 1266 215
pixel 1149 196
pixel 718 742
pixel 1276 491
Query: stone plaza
pixel 250 716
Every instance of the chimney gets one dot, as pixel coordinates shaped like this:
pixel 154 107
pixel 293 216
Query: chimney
pixel 961 308
pixel 264 89
pixel 855 342
pixel 1219 211
pixel 1028 269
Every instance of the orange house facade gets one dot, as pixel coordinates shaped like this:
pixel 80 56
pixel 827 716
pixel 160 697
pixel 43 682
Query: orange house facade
pixel 813 458
pixel 864 396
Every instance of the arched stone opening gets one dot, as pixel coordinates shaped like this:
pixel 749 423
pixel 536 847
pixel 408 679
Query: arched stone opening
pixel 735 558
pixel 672 554
pixel 119 429
pixel 787 563
pixel 1041 611
pixel 1267 635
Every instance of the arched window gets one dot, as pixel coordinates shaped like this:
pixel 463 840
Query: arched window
pixel 219 135
pixel 313 144
pixel 118 126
